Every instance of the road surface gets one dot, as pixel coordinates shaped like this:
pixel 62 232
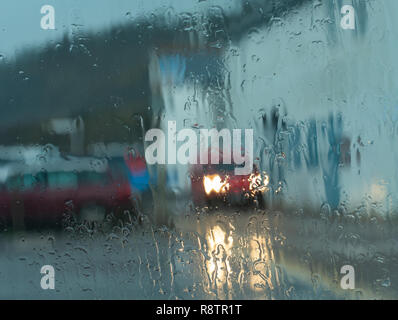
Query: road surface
pixel 211 254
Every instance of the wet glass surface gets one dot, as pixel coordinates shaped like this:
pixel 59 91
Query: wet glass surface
pixel 82 84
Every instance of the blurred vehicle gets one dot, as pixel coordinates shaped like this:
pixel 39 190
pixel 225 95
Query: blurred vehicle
pixel 88 188
pixel 218 184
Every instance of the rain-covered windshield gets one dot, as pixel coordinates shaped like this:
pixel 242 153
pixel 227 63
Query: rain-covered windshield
pixel 107 109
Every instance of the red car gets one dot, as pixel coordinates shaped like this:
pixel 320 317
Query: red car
pixel 31 198
pixel 218 183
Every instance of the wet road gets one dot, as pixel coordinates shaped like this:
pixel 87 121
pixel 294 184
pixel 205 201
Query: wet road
pixel 208 255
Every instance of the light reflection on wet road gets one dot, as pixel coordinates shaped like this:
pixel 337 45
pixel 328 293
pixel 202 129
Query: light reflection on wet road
pixel 232 255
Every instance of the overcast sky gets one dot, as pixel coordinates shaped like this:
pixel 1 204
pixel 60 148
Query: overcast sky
pixel 20 19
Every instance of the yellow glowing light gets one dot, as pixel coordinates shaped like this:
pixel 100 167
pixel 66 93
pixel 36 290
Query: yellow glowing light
pixel 258 182
pixel 218 236
pixel 215 183
pixel 259 251
pixel 220 247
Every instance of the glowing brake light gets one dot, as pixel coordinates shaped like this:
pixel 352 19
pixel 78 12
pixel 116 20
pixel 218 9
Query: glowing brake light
pixel 215 183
